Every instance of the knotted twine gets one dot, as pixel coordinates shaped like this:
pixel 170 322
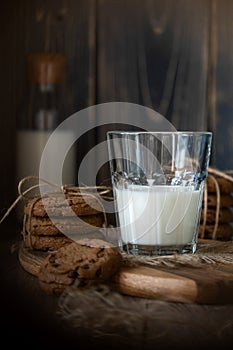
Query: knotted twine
pixel 102 191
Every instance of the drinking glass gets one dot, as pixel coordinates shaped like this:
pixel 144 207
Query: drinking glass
pixel 158 180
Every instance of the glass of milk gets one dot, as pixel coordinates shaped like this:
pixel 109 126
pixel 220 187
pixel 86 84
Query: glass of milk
pixel 158 180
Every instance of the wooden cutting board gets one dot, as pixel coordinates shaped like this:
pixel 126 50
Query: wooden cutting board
pixel 205 284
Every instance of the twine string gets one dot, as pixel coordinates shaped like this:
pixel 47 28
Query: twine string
pixel 225 175
pixel 28 232
pixel 66 190
pixel 21 194
pixel 220 173
pixel 217 211
pixel 204 211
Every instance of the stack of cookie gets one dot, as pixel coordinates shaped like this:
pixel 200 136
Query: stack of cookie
pixel 49 223
pixel 216 225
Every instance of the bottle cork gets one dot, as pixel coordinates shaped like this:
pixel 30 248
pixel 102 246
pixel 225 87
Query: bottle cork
pixel 46 68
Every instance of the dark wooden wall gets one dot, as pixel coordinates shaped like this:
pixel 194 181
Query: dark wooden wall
pixel 171 56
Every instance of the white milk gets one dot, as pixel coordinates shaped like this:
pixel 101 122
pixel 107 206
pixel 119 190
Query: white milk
pixel 158 215
pixel 30 146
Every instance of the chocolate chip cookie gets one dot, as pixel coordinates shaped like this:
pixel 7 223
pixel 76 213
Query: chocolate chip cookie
pixel 82 263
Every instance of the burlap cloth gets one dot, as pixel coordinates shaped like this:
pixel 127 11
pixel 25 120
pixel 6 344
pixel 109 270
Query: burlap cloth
pixel 105 314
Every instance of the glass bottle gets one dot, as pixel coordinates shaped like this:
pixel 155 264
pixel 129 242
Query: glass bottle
pixel 45 115
pixel 40 115
pixel 46 74
pixel 39 119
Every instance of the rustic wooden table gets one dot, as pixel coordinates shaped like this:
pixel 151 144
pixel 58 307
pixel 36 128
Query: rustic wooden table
pixel 30 317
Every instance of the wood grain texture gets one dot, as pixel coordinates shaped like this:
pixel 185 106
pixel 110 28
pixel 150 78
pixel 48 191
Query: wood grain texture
pixel 188 285
pixel 157 284
pixel 31 260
